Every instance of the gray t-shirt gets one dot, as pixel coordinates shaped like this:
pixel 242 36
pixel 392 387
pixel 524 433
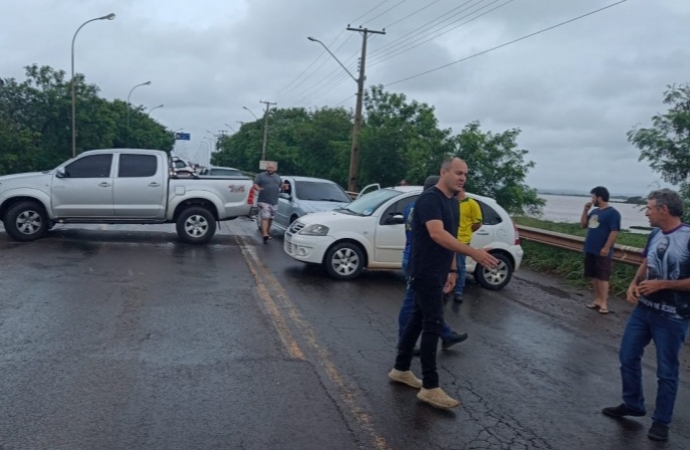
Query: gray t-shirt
pixel 270 187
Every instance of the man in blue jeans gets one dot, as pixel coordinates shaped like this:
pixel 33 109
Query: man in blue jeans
pixel 661 291
pixel 448 336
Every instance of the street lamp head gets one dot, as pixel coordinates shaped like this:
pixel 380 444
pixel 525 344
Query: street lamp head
pixel 146 84
pixel 110 16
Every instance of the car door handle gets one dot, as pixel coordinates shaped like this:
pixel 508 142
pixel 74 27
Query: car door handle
pixel 154 184
pixel 482 233
pixel 104 184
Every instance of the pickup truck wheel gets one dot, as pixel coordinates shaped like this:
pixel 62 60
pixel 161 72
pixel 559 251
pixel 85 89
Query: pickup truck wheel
pixel 344 261
pixel 196 225
pixel 498 278
pixel 26 221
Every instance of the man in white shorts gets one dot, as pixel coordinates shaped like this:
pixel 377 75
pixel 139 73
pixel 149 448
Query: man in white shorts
pixel 268 184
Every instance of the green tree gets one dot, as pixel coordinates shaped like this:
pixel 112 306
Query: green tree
pixel 666 145
pixel 35 122
pixel 497 168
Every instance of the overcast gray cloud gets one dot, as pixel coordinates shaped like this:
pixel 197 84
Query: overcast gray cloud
pixel 574 91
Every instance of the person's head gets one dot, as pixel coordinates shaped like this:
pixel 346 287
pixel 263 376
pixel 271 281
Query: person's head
pixel 403 183
pixel 453 175
pixel 462 194
pixel 271 168
pixel 663 207
pixel 599 195
pixel 431 181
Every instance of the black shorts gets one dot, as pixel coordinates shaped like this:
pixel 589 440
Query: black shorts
pixel 597 266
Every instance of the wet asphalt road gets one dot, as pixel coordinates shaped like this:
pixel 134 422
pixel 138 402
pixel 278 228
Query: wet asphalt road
pixel 125 339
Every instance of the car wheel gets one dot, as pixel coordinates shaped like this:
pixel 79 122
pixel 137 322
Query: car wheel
pixel 26 221
pixel 196 225
pixel 495 279
pixel 344 261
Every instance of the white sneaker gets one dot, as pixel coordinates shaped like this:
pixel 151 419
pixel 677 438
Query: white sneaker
pixel 438 398
pixel 406 377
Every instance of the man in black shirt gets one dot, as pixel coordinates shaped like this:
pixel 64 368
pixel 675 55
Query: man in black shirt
pixel 432 272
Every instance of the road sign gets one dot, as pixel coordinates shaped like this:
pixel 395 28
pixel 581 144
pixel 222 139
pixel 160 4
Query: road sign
pixel 182 136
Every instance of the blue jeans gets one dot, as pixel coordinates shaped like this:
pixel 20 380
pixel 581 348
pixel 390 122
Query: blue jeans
pixel 408 306
pixel 462 274
pixel 645 325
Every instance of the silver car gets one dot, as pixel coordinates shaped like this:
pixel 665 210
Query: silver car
pixel 304 195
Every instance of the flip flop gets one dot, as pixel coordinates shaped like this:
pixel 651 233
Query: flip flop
pixel 603 311
pixel 592 306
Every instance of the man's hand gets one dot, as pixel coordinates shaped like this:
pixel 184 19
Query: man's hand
pixel 633 294
pixel 450 282
pixel 604 251
pixel 483 257
pixel 650 286
pixel 588 205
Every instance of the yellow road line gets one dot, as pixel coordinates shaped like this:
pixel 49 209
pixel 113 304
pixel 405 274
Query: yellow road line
pixel 348 393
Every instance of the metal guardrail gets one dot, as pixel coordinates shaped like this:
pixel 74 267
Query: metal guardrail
pixel 622 253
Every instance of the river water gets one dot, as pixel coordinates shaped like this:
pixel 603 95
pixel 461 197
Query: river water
pixel 564 208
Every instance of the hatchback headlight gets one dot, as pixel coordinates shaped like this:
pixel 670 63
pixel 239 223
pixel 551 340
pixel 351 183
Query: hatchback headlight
pixel 315 230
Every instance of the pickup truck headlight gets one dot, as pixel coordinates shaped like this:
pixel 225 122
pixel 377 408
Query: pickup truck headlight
pixel 315 230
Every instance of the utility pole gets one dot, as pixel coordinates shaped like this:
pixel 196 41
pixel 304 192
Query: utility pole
pixel 268 106
pixel 354 153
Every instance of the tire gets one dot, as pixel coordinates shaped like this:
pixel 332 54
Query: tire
pixel 495 279
pixel 26 221
pixel 196 225
pixel 344 261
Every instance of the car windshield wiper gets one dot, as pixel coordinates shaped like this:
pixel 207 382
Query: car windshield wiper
pixel 349 211
pixel 339 200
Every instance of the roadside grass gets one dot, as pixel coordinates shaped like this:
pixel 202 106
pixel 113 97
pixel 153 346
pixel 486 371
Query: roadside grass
pixel 569 264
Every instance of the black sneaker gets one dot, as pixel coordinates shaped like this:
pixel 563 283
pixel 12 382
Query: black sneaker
pixel 658 432
pixel 622 410
pixel 454 338
pixel 457 298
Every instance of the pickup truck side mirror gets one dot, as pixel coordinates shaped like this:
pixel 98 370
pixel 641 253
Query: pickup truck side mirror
pixel 61 174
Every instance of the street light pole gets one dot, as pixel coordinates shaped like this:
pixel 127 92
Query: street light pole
pixel 354 152
pixel 110 16
pixel 250 112
pixel 155 107
pixel 129 106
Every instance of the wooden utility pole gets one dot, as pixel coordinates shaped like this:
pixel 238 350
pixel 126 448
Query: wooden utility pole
pixel 268 106
pixel 354 153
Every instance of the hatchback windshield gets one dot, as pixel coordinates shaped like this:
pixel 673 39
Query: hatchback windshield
pixel 368 203
pixel 320 191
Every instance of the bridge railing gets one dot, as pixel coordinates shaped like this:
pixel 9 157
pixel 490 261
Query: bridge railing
pixel 622 253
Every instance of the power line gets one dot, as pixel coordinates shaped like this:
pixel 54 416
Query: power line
pixel 507 43
pixel 384 12
pixel 411 14
pixel 372 9
pixel 423 28
pixel 340 103
pixel 414 44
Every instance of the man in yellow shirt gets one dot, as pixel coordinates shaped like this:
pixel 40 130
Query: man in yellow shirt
pixel 470 221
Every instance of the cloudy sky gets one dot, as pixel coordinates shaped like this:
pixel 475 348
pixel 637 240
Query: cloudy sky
pixel 574 91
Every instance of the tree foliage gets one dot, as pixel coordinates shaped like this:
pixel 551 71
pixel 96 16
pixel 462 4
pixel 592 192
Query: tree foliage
pixel 36 122
pixel 400 140
pixel 666 145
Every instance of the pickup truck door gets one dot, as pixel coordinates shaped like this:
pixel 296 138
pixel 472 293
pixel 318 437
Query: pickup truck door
pixel 390 232
pixel 139 187
pixel 84 188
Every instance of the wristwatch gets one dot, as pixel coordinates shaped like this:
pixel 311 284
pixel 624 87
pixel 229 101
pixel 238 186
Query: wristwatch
pixel 452 271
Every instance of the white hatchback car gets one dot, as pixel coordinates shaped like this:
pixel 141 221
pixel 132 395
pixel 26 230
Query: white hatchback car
pixel 369 233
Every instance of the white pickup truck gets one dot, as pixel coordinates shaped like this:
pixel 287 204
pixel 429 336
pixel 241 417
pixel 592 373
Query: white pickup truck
pixel 120 186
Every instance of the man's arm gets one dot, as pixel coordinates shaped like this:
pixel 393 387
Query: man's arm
pixel 633 289
pixel 585 215
pixel 609 243
pixel 445 239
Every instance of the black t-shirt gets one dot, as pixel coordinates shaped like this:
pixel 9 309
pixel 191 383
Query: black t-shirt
pixel 428 260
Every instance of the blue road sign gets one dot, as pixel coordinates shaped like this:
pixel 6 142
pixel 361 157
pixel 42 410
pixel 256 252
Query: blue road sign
pixel 182 136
